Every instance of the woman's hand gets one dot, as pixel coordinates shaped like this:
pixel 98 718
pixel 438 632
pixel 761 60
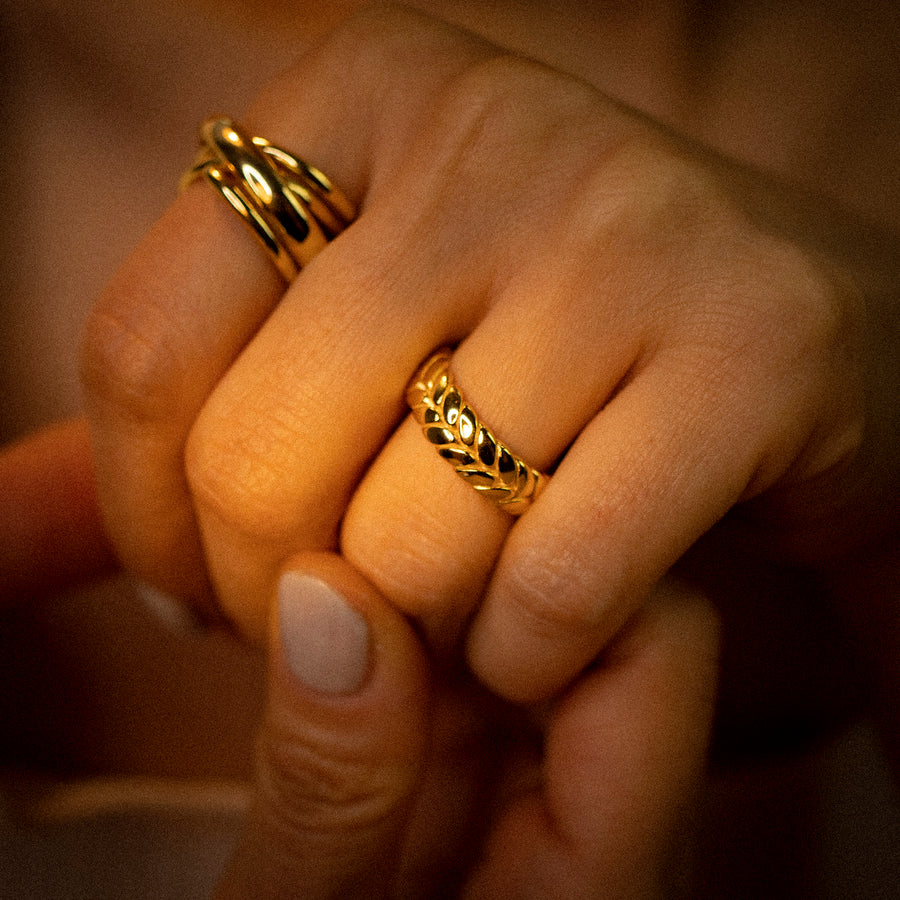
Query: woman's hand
pixel 376 779
pixel 51 534
pixel 680 340
pixel 374 782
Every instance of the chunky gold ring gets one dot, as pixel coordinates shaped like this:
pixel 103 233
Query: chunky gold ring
pixel 291 207
pixel 466 442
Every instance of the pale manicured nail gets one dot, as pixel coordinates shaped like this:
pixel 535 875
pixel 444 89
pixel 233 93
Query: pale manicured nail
pixel 325 641
pixel 175 616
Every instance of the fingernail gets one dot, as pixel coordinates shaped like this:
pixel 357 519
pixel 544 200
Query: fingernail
pixel 325 641
pixel 175 616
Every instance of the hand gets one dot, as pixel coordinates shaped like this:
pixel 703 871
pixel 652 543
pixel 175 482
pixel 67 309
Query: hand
pixel 375 779
pixel 51 536
pixel 686 343
pixel 373 782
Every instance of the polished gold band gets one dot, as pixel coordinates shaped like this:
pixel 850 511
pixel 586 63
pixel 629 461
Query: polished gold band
pixel 291 207
pixel 449 423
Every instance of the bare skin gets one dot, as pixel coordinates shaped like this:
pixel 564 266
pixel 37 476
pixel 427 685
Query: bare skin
pixel 380 787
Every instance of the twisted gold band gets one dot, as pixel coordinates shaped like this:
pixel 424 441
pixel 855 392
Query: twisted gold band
pixel 292 208
pixel 461 438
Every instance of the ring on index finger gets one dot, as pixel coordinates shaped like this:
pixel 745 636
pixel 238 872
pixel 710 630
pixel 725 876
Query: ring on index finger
pixel 291 207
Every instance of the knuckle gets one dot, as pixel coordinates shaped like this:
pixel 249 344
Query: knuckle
pixel 362 43
pixel 365 62
pixel 386 28
pixel 714 267
pixel 782 308
pixel 651 200
pixel 128 361
pixel 554 122
pixel 315 783
pixel 506 100
pixel 554 594
pixel 239 468
pixel 819 316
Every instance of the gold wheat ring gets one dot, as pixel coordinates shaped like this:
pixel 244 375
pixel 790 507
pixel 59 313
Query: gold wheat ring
pixel 459 435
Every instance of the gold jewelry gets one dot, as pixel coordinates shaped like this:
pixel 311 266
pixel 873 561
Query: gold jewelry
pixel 291 207
pixel 466 442
pixel 325 200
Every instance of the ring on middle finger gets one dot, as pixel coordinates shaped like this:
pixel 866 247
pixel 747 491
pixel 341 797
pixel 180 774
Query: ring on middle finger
pixel 459 435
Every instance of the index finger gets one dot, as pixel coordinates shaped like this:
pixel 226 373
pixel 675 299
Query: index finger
pixel 183 309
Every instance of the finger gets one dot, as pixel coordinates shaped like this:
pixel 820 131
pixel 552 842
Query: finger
pixel 178 314
pixel 343 742
pixel 167 326
pixel 726 393
pixel 282 442
pixel 624 754
pixel 279 446
pixel 414 527
pixel 51 535
pixel 632 495
pixel 543 357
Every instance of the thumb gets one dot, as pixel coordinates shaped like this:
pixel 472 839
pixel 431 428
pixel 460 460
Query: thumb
pixel 342 745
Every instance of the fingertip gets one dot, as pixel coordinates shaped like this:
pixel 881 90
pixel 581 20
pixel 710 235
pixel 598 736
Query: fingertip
pixel 343 742
pixel 520 665
pixel 648 707
pixel 52 536
pixel 325 641
pixel 336 636
pixel 176 617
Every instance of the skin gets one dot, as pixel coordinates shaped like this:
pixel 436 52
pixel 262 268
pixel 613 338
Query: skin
pixel 701 350
pixel 849 162
pixel 348 784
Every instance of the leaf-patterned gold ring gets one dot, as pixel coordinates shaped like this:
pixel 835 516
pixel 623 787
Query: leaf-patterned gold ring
pixel 459 435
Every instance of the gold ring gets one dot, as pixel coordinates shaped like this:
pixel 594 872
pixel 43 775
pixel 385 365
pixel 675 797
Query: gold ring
pixel 291 207
pixel 461 438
